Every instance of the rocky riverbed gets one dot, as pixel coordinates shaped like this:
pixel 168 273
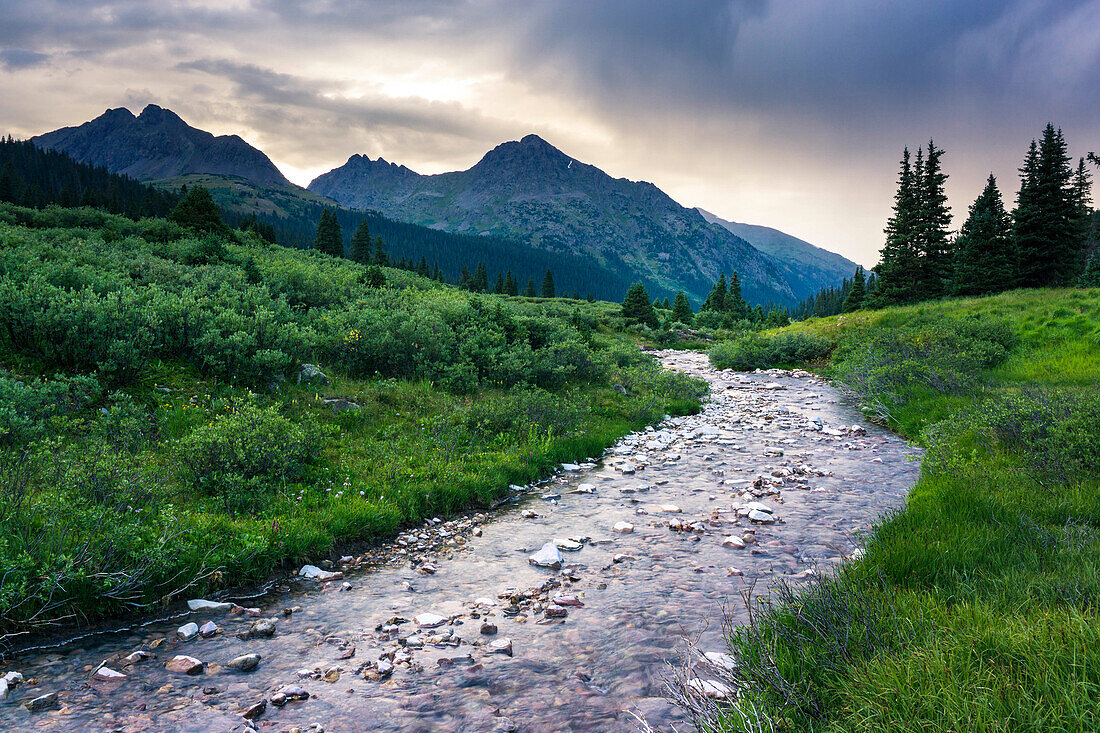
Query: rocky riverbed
pixel 557 612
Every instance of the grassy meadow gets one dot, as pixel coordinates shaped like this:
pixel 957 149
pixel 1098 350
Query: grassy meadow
pixel 975 608
pixel 156 439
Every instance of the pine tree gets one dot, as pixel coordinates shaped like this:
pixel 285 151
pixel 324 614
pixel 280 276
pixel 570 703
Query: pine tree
pixel 530 291
pixel 985 258
pixel 198 211
pixel 380 258
pixel 666 305
pixel 857 293
pixel 465 281
pixel 716 299
pixel 933 220
pixel 362 246
pixel 498 288
pixel 637 308
pixel 735 302
pixel 330 239
pixel 896 274
pixel 480 282
pixel 681 309
pixel 1048 240
pixel 511 287
pixel 1090 276
pixel 548 285
pixel 422 269
pixel 576 294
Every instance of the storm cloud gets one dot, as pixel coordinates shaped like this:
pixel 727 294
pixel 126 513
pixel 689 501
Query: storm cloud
pixel 790 114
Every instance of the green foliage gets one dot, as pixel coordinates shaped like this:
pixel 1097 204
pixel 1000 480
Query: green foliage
pixel 35 409
pixel 197 210
pixel 637 308
pixel 244 455
pixel 548 285
pixel 762 351
pixel 330 237
pixel 985 256
pixel 681 309
pixel 857 293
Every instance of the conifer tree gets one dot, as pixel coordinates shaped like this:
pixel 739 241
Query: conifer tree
pixel 1090 276
pixel 198 211
pixel 933 219
pixel 716 299
pixel 985 259
pixel 576 294
pixel 530 291
pixel 681 308
pixel 896 274
pixel 858 292
pixel 480 282
pixel 637 308
pixel 498 288
pixel 511 287
pixel 465 281
pixel 362 246
pixel 380 258
pixel 422 269
pixel 735 302
pixel 1048 238
pixel 548 285
pixel 666 305
pixel 330 239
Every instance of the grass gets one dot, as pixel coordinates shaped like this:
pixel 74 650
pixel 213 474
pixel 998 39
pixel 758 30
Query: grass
pixel 975 607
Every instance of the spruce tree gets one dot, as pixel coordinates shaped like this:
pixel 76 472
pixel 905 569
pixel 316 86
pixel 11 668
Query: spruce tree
pixel 857 292
pixel 637 308
pixel 666 305
pixel 511 287
pixel 985 258
pixel 1048 238
pixel 548 285
pixel 422 269
pixel 897 272
pixel 380 258
pixel 465 281
pixel 480 282
pixel 530 291
pixel 498 288
pixel 681 309
pixel 330 239
pixel 198 211
pixel 933 220
pixel 716 299
pixel 362 246
pixel 735 302
pixel 1090 276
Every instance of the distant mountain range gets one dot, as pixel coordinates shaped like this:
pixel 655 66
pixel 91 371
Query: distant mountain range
pixel 157 144
pixel 527 192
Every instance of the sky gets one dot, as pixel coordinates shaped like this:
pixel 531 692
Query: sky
pixel 786 113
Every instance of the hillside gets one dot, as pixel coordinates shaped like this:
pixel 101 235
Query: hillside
pixel 974 608
pixel 158 144
pixel 792 253
pixel 530 191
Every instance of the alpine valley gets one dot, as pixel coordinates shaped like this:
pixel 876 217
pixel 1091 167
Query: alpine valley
pixel 525 206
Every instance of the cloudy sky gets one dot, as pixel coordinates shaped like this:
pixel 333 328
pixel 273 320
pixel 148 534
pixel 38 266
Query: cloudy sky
pixel 787 113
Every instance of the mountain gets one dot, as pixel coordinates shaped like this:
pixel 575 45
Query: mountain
pixel 531 192
pixel 791 252
pixel 157 144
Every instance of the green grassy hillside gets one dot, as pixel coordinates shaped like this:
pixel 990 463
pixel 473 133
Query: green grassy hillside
pixel 975 607
pixel 156 439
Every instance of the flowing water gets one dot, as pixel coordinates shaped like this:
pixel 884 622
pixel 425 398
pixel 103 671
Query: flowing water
pixel 780 438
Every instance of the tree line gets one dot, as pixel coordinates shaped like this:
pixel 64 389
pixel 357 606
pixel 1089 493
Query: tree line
pixel 725 307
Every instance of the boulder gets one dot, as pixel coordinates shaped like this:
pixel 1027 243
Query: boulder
pixel 310 373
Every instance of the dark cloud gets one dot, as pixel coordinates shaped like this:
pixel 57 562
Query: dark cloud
pixel 20 58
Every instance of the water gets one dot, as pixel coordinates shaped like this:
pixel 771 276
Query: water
pixel 592 671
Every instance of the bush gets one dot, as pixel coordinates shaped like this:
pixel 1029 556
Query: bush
pixel 242 457
pixel 35 409
pixel 759 351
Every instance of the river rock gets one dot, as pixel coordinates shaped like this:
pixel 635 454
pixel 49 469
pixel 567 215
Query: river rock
pixel 670 509
pixel 709 688
pixel 264 627
pixel 562 599
pixel 312 572
pixel 244 662
pixel 286 693
pixel 501 646
pixel 623 527
pixel 547 557
pixel 733 541
pixel 139 656
pixel 183 664
pixel 721 661
pixel 106 674
pixel 429 620
pixel 209 629
pixel 255 710
pixel 555 611
pixel 201 604
pixel 570 467
pixel 568 545
pixel 43 702
pixel 488 628
pixel 761 517
pixel 9 682
pixel 188 631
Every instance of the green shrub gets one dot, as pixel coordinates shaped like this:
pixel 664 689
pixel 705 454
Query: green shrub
pixel 760 351
pixel 38 408
pixel 245 455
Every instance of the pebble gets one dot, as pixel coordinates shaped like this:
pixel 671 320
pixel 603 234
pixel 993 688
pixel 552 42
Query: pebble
pixel 488 628
pixel 244 662
pixel 286 693
pixel 623 527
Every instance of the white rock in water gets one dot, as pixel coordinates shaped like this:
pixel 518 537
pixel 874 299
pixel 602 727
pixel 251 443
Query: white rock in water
pixel 670 509
pixel 429 620
pixel 756 506
pixel 187 632
pixel 733 541
pixel 139 656
pixel 209 629
pixel 710 688
pixel 547 557
pixel 108 674
pixel 623 527
pixel 201 604
pixel 313 572
pixel 501 646
pixel 9 682
pixel 567 545
pixel 570 467
pixel 184 664
pixel 585 489
pixel 761 517
pixel 721 660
